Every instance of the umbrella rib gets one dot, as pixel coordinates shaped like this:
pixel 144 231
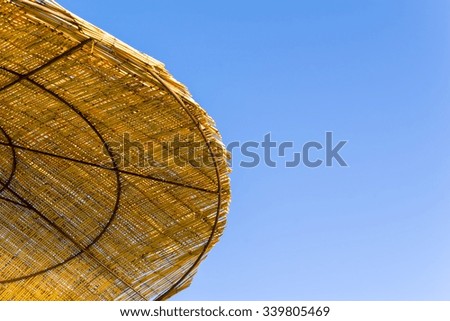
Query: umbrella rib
pixel 14 163
pixel 157 179
pixel 166 294
pixel 74 242
pixel 13 202
pixel 48 63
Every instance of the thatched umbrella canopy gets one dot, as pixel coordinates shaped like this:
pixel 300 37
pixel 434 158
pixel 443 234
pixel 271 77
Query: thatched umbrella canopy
pixel 113 180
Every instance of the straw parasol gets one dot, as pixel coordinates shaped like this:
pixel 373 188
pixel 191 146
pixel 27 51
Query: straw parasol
pixel 113 181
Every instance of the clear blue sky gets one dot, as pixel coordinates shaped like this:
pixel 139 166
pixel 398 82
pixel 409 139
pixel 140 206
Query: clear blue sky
pixel 375 73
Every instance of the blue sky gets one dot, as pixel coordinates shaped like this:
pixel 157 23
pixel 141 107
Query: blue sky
pixel 377 74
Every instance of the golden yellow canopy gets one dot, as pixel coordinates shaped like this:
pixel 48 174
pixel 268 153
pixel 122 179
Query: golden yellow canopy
pixel 79 218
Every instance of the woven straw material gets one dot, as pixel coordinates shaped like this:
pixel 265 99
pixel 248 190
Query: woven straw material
pixel 79 220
